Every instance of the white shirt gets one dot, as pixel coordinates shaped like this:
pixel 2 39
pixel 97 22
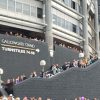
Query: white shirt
pixel 4 98
pixel 81 55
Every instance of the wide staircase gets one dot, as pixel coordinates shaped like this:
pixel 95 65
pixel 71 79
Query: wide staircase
pixel 67 85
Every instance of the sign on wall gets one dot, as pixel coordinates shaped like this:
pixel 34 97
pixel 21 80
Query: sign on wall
pixel 18 47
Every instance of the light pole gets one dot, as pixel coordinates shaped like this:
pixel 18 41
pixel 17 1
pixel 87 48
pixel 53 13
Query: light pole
pixel 1 72
pixel 42 63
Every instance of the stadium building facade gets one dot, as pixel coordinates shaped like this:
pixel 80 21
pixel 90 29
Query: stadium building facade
pixel 73 23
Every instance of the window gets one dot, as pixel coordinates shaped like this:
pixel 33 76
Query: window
pixel 18 7
pixel 39 13
pixel 26 9
pixel 3 4
pixel 54 19
pixel 80 9
pixel 11 5
pixel 74 28
pixel 33 11
pixel 63 23
pixel 66 24
pixel 73 5
pixel 58 21
pixel 70 27
pixel 66 1
pixel 89 40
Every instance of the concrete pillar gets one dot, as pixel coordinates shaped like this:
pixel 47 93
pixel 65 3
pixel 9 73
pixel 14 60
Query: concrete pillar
pixel 48 21
pixel 97 27
pixel 44 11
pixel 85 28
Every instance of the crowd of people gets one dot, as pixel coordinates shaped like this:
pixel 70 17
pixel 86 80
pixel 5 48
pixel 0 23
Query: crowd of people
pixel 24 36
pixel 54 69
pixel 65 45
pixel 20 78
pixel 85 98
pixel 83 62
pixel 11 97
pixel 37 38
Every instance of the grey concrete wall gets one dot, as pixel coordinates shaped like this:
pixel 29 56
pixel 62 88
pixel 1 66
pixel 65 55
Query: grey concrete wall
pixel 62 55
pixel 69 84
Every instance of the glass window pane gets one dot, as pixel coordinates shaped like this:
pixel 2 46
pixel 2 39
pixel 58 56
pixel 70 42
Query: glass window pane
pixel 18 7
pixel 33 11
pixel 11 5
pixel 39 12
pixel 80 7
pixel 70 26
pixel 26 9
pixel 63 23
pixel 54 19
pixel 66 24
pixel 73 5
pixel 59 21
pixel 74 28
pixel 3 4
pixel 77 7
pixel 66 2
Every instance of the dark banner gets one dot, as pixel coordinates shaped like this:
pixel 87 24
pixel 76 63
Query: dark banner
pixel 21 56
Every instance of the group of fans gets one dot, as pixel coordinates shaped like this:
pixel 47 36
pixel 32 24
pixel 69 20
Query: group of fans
pixel 11 97
pixel 84 98
pixel 55 68
pixel 83 62
pixel 38 38
pixel 24 36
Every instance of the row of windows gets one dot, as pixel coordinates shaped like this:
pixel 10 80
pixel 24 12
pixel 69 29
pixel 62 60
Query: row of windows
pixel 65 24
pixel 74 5
pixel 18 7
